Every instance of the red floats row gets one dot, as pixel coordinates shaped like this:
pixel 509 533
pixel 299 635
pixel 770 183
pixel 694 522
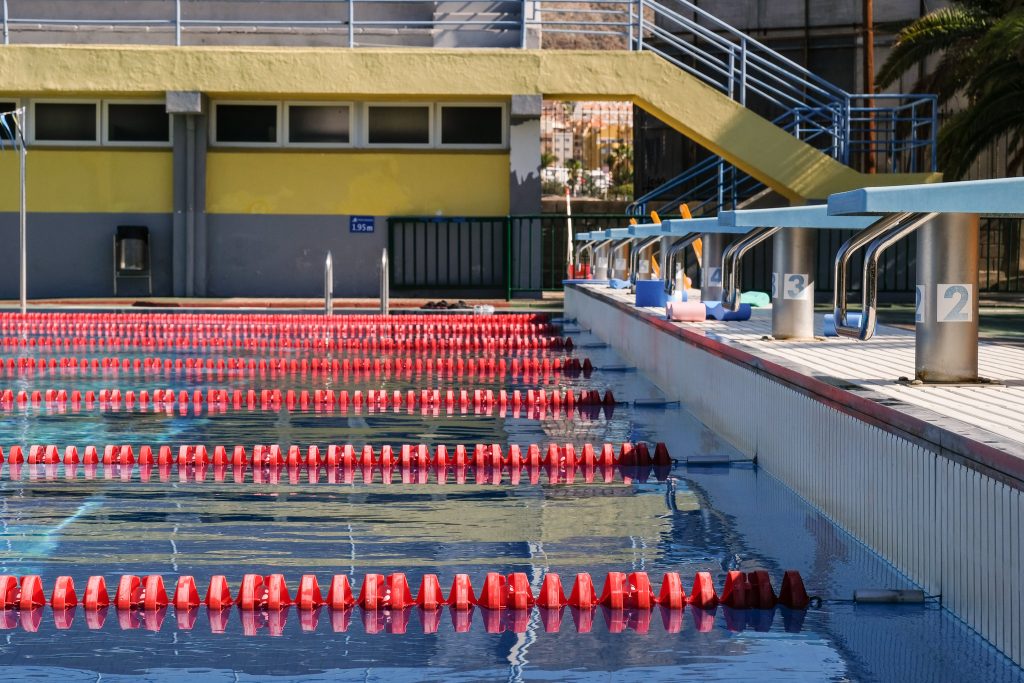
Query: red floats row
pixel 319 399
pixel 294 474
pixel 451 366
pixel 300 326
pixel 632 591
pixel 375 344
pixel 334 456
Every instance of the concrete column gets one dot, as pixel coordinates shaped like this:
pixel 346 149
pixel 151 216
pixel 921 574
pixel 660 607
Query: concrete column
pixel 189 170
pixel 946 347
pixel 524 190
pixel 794 252
pixel 714 244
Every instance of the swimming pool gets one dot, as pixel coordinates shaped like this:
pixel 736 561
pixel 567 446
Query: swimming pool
pixel 101 519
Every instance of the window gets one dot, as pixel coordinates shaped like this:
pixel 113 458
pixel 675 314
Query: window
pixel 473 125
pixel 67 122
pixel 398 124
pixel 245 124
pixel 319 124
pixel 145 123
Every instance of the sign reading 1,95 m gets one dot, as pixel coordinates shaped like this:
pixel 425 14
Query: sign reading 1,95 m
pixel 360 224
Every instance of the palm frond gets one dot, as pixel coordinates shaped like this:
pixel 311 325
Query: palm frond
pixel 967 134
pixel 933 33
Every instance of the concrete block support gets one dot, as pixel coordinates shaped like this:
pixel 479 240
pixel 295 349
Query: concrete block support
pixel 946 328
pixel 794 253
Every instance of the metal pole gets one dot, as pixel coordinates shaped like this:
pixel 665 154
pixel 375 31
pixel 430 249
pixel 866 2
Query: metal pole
pixel 385 284
pixel 714 244
pixel 508 258
pixel 7 36
pixel 743 71
pixel 351 20
pixel 23 210
pixel 793 255
pixel 640 26
pixel 946 348
pixel 177 22
pixel 329 285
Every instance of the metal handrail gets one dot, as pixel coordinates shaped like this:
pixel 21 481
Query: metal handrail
pixel 635 249
pixel 329 285
pixel 842 260
pixel 869 305
pixel 588 247
pixel 670 260
pixel 385 283
pixel 730 264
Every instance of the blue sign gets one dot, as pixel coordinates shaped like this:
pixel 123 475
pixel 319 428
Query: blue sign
pixel 360 224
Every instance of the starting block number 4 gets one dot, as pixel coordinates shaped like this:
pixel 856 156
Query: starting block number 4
pixel 715 277
pixel 796 286
pixel 954 303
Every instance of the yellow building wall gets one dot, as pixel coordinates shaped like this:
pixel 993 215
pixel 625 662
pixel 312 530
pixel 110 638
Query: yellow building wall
pixel 381 183
pixel 90 180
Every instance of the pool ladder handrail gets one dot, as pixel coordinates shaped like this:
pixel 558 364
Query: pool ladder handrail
pixel 637 247
pixel 879 237
pixel 677 247
pixel 731 257
pixel 329 285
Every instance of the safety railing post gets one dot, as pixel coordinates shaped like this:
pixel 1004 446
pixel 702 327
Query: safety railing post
pixel 629 9
pixel 7 35
pixel 351 23
pixel 743 71
pixel 508 258
pixel 640 25
pixel 177 23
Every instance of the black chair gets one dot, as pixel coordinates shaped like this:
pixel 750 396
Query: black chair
pixel 131 254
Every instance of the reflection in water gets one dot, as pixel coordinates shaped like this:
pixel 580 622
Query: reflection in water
pixel 688 520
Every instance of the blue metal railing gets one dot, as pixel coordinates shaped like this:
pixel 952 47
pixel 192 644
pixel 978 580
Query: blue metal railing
pixel 896 131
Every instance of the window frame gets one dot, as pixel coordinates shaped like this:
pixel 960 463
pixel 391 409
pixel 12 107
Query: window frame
pixel 214 142
pixel 97 141
pixel 117 143
pixel 431 133
pixel 353 128
pixel 464 104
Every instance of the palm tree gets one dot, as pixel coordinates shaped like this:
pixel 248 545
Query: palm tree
pixel 620 164
pixel 980 49
pixel 547 158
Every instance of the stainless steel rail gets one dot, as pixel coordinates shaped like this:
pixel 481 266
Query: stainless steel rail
pixel 329 285
pixel 677 248
pixel 385 283
pixel 731 264
pixel 906 224
pixel 635 249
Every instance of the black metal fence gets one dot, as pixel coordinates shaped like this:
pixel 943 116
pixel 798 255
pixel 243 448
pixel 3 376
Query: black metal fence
pixel 526 255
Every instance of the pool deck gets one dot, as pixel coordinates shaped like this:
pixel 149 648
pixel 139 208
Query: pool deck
pixel 980 425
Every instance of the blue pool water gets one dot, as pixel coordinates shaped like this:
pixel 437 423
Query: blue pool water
pixel 697 519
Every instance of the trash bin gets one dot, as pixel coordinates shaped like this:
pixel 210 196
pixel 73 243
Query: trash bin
pixel 131 254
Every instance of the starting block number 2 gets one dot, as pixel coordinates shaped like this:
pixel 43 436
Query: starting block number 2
pixel 953 303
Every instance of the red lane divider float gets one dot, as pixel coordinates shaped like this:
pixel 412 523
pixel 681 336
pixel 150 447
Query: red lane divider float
pixel 248 324
pixel 387 457
pixel 367 474
pixel 627 601
pixel 481 464
pixel 374 344
pixel 221 400
pixel 492 366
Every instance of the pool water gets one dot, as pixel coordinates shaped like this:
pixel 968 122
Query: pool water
pixel 693 518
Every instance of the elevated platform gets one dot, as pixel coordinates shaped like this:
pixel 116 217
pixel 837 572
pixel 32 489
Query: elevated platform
pixel 931 478
pixel 991 416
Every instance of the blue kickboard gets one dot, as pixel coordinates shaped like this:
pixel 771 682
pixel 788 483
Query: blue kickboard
pixel 650 293
pixel 717 311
